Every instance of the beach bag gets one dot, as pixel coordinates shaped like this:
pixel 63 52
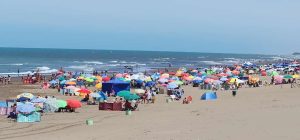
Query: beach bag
pixel 29 118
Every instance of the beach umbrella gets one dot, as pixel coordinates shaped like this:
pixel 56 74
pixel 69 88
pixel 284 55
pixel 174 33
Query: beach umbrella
pixel 98 86
pixel 232 80
pixel 131 97
pixel 208 80
pixel 70 87
pixel 50 105
pixel 288 76
pixel 106 79
pixel 172 85
pixel 53 82
pixel 139 91
pixel 73 103
pixel 99 78
pixel 165 75
pixel 150 84
pixel 223 79
pixel 38 100
pixel 89 80
pixel 61 78
pixel 61 103
pixel 95 95
pixel 25 108
pixel 27 95
pixel 70 83
pixel 274 73
pixel 296 76
pixel 197 78
pixel 163 80
pixel 22 99
pixel 119 75
pixel 179 82
pixel 72 79
pixel 85 91
pixel 62 82
pixel 123 93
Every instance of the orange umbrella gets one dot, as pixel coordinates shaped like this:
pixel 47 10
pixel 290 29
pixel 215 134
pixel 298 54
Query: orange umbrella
pixel 71 83
pixel 86 91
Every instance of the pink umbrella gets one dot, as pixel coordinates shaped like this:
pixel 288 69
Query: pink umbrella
pixel 119 75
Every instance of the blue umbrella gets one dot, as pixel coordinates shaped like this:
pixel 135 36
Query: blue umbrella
pixel 38 100
pixel 197 81
pixel 172 85
pixel 223 79
pixel 63 82
pixel 53 82
pixel 26 108
pixel 23 99
pixel 149 84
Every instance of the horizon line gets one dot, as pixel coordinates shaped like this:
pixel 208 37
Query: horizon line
pixel 135 50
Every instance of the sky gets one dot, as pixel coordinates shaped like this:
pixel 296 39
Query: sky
pixel 222 26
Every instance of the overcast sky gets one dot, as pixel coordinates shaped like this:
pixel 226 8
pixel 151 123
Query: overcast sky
pixel 238 26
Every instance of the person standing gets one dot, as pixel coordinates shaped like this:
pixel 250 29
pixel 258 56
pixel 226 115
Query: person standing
pixel 293 83
pixel 9 79
pixel 5 80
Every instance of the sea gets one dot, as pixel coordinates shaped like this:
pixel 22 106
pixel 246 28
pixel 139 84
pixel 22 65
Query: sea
pixel 28 60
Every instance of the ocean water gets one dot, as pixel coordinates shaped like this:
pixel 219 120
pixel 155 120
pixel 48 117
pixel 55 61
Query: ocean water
pixel 49 60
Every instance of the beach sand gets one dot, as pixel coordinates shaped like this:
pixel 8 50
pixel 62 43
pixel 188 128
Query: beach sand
pixel 255 113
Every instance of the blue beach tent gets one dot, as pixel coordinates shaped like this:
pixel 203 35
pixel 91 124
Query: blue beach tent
pixel 209 96
pixel 115 85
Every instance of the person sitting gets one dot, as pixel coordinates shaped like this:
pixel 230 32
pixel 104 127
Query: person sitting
pixel 86 98
pixel 128 106
pixel 189 99
pixel 13 113
pixel 185 101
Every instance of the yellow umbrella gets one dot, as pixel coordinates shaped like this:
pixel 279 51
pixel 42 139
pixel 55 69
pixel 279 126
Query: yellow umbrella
pixel 232 80
pixel 296 76
pixel 98 86
pixel 99 78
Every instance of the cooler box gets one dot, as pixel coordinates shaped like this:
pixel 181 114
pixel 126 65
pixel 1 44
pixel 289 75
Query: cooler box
pixel 29 118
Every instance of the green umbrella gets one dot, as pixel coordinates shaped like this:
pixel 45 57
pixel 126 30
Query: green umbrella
pixel 61 78
pixel 89 79
pixel 131 97
pixel 179 82
pixel 61 103
pixel 274 73
pixel 123 93
pixel 288 76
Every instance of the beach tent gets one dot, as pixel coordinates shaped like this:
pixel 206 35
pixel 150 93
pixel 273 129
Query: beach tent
pixel 209 96
pixel 115 85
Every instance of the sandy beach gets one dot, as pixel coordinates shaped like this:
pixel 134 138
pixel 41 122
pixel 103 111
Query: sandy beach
pixel 255 113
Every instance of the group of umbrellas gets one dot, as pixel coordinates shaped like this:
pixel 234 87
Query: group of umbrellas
pixel 26 103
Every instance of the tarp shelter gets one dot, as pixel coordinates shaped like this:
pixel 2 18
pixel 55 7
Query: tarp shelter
pixel 115 85
pixel 209 96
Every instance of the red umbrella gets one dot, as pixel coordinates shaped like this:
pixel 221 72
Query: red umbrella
pixel 105 79
pixel 73 103
pixel 84 91
pixel 172 73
